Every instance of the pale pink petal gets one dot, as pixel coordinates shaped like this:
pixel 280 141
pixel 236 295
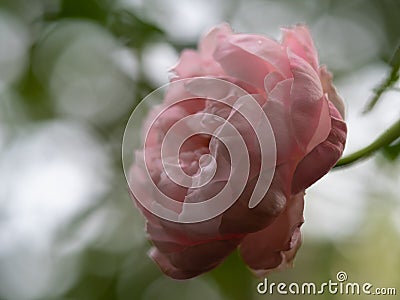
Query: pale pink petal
pixel 178 94
pixel 171 115
pixel 213 88
pixel 267 49
pixel 254 56
pixel 189 65
pixel 271 80
pixel 307 85
pixel 329 88
pixel 210 41
pixel 298 39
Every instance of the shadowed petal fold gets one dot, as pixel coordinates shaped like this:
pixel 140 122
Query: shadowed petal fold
pixel 265 249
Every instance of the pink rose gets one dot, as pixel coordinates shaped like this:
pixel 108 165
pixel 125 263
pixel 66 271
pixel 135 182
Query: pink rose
pixel 236 84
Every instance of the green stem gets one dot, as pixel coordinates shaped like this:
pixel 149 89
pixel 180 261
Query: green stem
pixel 385 139
pixel 387 83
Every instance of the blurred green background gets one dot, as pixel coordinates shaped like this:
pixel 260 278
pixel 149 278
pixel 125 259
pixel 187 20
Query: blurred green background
pixel 71 72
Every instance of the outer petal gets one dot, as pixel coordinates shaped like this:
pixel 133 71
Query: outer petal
pixel 298 113
pixel 287 256
pixel 329 88
pixel 194 260
pixel 189 64
pixel 254 57
pixel 298 39
pixel 264 249
pixel 309 109
pixel 200 63
pixel 210 41
pixel 320 160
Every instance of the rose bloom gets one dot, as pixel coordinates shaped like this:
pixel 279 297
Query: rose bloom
pixel 307 118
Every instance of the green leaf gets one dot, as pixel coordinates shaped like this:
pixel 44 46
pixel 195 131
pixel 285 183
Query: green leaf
pixel 392 152
pixel 133 31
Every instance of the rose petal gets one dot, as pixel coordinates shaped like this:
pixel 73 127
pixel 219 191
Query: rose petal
pixel 189 65
pixel 278 111
pixel 320 160
pixel 328 87
pixel 239 218
pixel 287 256
pixel 309 109
pixel 210 41
pixel 263 249
pixel 194 260
pixel 169 269
pixel 271 80
pixel 254 56
pixel 299 40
